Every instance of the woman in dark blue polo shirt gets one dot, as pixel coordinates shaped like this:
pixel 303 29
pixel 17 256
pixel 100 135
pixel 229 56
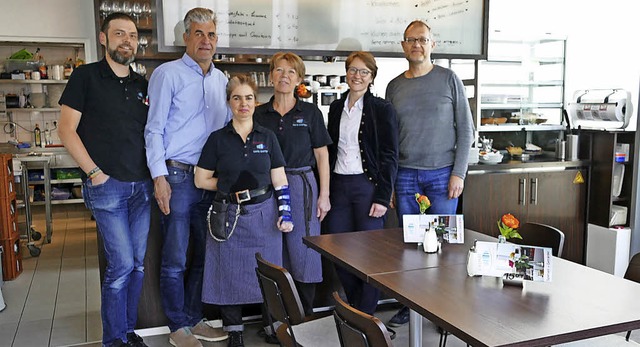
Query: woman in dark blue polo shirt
pixel 299 127
pixel 244 156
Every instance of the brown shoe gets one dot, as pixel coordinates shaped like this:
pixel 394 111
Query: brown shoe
pixel 183 338
pixel 206 332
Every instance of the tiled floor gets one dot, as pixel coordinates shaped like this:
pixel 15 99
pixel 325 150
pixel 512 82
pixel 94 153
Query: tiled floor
pixel 56 300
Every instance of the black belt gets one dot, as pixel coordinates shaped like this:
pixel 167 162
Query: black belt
pixel 182 166
pixel 307 191
pixel 247 196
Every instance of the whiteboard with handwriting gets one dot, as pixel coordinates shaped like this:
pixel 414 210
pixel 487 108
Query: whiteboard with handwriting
pixel 323 27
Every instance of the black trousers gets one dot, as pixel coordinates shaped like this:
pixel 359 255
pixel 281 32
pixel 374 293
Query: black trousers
pixel 231 316
pixel 351 200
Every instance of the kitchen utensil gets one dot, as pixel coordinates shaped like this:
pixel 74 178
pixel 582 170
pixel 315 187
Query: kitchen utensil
pixel 560 149
pixel 572 147
pixel 143 42
pixel 136 11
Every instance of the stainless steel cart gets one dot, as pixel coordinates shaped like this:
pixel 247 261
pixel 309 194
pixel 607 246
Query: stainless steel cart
pixel 31 162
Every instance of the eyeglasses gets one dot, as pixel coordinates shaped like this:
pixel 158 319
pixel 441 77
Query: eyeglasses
pixel 411 40
pixel 361 72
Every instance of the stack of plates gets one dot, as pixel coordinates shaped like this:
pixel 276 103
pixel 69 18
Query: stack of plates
pixel 491 158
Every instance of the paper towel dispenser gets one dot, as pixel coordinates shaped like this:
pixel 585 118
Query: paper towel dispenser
pixel 601 108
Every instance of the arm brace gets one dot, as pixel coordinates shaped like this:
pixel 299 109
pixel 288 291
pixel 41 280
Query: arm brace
pixel 283 197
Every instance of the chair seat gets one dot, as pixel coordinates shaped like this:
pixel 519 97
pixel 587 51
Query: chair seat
pixel 317 333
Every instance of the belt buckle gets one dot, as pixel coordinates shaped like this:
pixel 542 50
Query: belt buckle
pixel 242 196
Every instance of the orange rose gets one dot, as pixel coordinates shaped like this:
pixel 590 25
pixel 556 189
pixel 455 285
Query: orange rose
pixel 510 221
pixel 423 202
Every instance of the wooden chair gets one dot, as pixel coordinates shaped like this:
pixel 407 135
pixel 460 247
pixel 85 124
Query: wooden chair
pixel 542 235
pixel 633 274
pixel 283 303
pixel 358 329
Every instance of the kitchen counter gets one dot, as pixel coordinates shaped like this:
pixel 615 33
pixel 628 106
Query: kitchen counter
pixel 59 156
pixel 9 148
pixel 543 162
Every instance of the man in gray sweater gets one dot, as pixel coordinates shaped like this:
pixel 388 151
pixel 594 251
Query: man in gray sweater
pixel 435 132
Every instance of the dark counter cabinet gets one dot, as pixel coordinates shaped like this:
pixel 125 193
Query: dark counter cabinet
pixel 551 195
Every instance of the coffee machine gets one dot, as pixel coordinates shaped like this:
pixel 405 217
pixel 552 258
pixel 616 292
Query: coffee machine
pixel 323 99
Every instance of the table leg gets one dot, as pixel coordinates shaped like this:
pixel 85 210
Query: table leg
pixel 47 200
pixel 415 329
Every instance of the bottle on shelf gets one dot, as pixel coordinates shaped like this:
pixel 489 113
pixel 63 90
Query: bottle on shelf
pixel 46 140
pixel 38 136
pixel 68 68
pixel 42 67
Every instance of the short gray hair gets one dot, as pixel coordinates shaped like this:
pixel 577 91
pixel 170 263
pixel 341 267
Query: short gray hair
pixel 199 15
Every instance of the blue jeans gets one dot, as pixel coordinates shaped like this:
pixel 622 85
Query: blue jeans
pixel 432 183
pixel 122 212
pixel 182 300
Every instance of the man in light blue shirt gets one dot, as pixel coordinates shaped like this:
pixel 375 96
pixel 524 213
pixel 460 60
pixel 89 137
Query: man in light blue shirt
pixel 187 102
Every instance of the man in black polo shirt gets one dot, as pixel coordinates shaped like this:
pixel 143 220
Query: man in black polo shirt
pixel 104 111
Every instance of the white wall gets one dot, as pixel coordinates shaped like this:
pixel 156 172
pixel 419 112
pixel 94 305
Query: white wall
pixel 49 20
pixel 602 44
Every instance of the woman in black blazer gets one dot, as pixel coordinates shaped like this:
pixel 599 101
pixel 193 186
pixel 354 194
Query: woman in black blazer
pixel 364 161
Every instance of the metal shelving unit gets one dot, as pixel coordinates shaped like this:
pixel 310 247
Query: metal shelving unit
pixel 525 76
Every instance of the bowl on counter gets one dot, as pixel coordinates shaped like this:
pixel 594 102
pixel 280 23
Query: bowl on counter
pixel 491 158
pixel 493 120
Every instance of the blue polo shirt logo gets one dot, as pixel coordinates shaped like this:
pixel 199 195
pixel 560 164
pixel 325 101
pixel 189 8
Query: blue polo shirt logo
pixel 260 147
pixel 299 122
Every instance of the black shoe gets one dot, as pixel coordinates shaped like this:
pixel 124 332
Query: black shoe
pixel 134 340
pixel 392 333
pixel 271 339
pixel 235 339
pixel 400 318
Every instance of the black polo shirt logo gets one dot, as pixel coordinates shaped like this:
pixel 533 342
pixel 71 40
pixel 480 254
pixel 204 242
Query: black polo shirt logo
pixel 259 147
pixel 143 98
pixel 299 122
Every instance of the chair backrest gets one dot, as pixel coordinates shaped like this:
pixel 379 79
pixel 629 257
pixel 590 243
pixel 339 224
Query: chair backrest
pixel 358 329
pixel 633 271
pixel 279 292
pixel 541 235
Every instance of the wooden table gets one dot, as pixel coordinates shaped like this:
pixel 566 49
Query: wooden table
pixel 579 303
pixel 380 251
pixel 383 251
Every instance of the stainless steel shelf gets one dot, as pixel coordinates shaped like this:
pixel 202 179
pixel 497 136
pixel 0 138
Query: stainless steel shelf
pixel 513 60
pixel 32 109
pixel 68 180
pixel 524 84
pixel 520 106
pixel 33 81
pixel 60 202
pixel 517 127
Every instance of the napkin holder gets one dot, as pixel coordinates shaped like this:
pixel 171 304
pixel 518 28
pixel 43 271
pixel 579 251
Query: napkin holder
pixel 473 263
pixel 512 279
